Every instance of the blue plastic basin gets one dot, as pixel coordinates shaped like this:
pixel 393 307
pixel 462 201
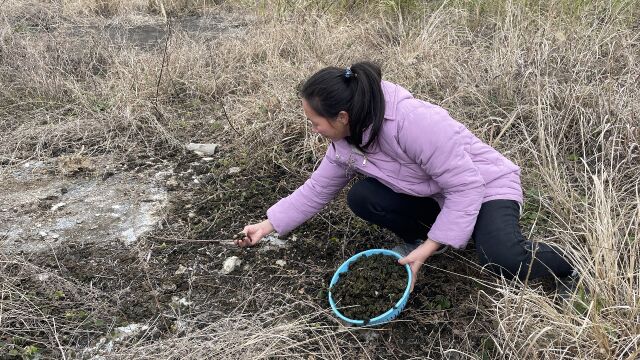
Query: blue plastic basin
pixel 386 316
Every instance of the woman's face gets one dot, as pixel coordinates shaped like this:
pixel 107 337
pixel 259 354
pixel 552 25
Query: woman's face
pixel 334 129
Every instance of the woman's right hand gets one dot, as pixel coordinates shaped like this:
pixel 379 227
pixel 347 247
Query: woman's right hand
pixel 254 233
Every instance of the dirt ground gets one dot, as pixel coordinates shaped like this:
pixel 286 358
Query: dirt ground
pixel 120 244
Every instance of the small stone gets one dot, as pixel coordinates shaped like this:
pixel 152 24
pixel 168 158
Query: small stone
pixel 171 183
pixel 79 221
pixel 129 330
pixel 207 159
pixel 43 277
pixel 234 170
pixel 58 206
pixel 371 336
pixel 281 263
pixel 180 326
pixel 181 301
pixel 168 286
pixel 55 236
pixel 191 214
pixel 181 270
pixel 203 149
pixel 43 233
pixel 230 264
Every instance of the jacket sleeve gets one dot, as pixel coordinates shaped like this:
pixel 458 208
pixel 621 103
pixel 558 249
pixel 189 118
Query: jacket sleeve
pixel 323 185
pixel 437 143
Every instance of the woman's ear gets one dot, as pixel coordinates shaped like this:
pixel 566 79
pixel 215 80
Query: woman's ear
pixel 343 118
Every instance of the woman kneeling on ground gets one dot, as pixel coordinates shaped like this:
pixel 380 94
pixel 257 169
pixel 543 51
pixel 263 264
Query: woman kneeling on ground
pixel 428 178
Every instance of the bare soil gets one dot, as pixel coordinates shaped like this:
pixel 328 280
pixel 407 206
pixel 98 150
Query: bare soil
pixel 111 283
pixel 139 282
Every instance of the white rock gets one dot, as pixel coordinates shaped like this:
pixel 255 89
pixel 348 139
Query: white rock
pixel 172 182
pixel 181 270
pixel 275 241
pixel 230 264
pixel 180 325
pixel 181 301
pixel 129 236
pixel 163 174
pixel 55 236
pixel 168 286
pixel 281 263
pixel 371 335
pixel 130 330
pixel 43 277
pixel 42 233
pixel 207 159
pixel 234 170
pixel 203 149
pixel 272 242
pixel 58 206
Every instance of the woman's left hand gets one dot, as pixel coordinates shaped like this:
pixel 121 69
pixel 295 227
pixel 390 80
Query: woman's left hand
pixel 418 257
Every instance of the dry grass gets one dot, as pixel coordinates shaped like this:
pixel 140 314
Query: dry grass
pixel 555 90
pixel 263 335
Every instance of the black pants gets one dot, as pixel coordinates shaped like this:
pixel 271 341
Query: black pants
pixel 497 235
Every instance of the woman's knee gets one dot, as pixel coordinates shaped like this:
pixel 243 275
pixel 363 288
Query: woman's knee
pixel 360 197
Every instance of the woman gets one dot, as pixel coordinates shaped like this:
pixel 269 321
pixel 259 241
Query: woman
pixel 429 179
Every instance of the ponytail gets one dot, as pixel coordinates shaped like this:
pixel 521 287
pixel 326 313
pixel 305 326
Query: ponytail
pixel 355 90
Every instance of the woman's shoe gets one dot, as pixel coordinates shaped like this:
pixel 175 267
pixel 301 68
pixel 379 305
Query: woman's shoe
pixel 572 291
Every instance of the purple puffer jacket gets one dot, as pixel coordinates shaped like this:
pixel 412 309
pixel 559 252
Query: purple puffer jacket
pixel 420 151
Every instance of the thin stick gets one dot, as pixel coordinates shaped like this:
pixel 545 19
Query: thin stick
pixel 55 334
pixel 224 111
pixel 164 58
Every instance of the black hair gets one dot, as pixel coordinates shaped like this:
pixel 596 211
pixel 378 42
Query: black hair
pixel 356 90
